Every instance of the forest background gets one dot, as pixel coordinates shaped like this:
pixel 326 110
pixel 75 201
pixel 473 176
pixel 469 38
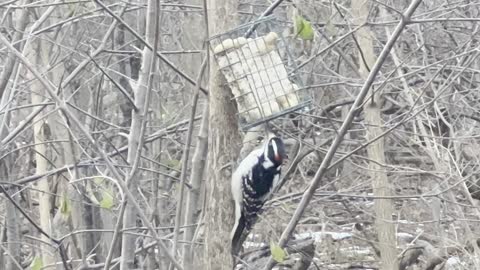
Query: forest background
pixel 116 157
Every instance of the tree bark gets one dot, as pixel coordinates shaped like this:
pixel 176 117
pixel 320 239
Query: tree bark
pixel 193 197
pixel 13 218
pixel 9 67
pixel 136 132
pixel 38 52
pixel 13 223
pixel 224 145
pixel 376 151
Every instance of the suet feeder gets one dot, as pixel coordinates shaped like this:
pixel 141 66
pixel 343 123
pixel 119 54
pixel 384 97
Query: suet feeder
pixel 260 72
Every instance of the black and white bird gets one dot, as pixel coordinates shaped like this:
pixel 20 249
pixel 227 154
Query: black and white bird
pixel 252 183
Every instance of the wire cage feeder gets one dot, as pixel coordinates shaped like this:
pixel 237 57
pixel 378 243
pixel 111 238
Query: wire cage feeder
pixel 260 72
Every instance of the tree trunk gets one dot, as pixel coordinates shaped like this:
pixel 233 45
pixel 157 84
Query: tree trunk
pixel 9 67
pixel 376 151
pixel 37 51
pixel 193 197
pixel 224 145
pixel 134 140
pixel 13 219
pixel 75 219
pixel 13 222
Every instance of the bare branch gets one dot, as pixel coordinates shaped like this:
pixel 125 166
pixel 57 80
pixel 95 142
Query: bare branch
pixel 343 130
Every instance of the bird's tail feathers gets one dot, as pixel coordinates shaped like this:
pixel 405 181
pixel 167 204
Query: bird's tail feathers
pixel 239 236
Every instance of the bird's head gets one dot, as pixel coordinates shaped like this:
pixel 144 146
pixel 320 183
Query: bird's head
pixel 275 150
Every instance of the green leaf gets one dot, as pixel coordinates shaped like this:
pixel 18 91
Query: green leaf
pixel 98 180
pixel 91 194
pixel 304 29
pixel 174 163
pixel 37 263
pixel 278 254
pixel 298 24
pixel 65 207
pixel 107 200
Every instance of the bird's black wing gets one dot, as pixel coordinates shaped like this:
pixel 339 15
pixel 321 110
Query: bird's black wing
pixel 251 206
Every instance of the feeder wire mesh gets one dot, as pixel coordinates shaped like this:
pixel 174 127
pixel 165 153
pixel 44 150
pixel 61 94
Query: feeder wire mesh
pixel 257 73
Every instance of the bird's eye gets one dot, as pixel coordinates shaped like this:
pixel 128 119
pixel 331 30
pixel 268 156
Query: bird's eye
pixel 259 138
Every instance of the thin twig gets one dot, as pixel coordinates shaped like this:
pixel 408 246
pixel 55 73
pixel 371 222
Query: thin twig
pixel 140 38
pixel 61 250
pixel 186 153
pixel 67 80
pixel 114 153
pixel 117 85
pixel 64 108
pixel 267 12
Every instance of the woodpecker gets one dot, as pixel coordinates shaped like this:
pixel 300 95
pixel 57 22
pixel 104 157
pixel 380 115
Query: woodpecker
pixel 252 183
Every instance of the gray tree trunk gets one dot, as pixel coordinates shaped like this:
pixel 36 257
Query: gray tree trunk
pixel 13 224
pixel 224 145
pixel 376 151
pixel 37 50
pixel 12 216
pixel 199 161
pixel 138 117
